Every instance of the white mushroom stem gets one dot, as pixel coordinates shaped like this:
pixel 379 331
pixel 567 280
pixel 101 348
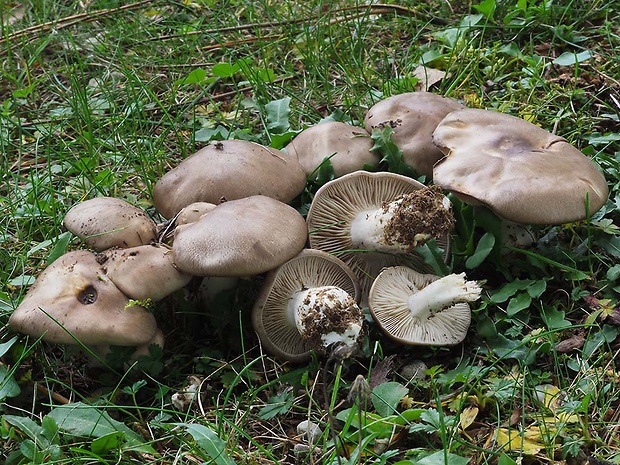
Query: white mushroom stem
pixel 370 228
pixel 325 316
pixel 441 294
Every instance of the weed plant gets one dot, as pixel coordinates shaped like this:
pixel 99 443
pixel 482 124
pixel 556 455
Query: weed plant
pixel 101 98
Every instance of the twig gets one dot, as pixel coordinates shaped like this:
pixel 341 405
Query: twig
pixel 54 395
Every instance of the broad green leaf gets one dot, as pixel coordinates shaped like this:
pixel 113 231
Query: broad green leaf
pixel 108 443
pixel 505 460
pixel 60 247
pixel 209 441
pixel 519 302
pixel 225 70
pixel 486 7
pixel 382 426
pixel 606 335
pixel 554 318
pixel 510 289
pixel 536 289
pixel 277 115
pixel 387 396
pixel 5 346
pixel 443 458
pixel 599 139
pixel 571 58
pixel 483 249
pixel 612 275
pixel 30 428
pixel 196 76
pixel 82 420
pixel 8 385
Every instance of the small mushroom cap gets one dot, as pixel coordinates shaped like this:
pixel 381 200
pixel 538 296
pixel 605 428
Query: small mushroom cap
pixel 230 169
pixel 337 203
pixel 413 117
pixel 105 222
pixel 522 172
pixel 193 212
pixel 143 272
pixel 388 304
pixel 240 238
pixel 309 269
pixel 346 146
pixel 74 299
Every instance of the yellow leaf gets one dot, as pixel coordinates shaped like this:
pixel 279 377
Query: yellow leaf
pixel 467 417
pixel 512 440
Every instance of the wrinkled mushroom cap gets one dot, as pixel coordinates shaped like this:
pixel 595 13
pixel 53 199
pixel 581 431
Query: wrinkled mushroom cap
pixel 346 146
pixel 143 272
pixel 240 238
pixel 74 299
pixel 388 304
pixel 105 222
pixel 338 202
pixel 522 172
pixel 309 269
pixel 413 116
pixel 230 169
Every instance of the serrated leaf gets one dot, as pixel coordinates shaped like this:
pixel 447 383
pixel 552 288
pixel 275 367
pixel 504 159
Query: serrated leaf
pixel 209 441
pixel 483 249
pixel 277 115
pixel 386 397
pixel 276 405
pixel 389 151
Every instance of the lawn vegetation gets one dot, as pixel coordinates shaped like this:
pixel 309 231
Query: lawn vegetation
pixel 101 98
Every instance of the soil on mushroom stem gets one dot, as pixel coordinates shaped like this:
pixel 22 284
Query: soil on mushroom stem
pixel 420 212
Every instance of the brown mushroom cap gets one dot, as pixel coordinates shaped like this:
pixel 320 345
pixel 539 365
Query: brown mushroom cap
pixel 230 169
pixel 74 299
pixel 390 307
pixel 105 222
pixel 193 212
pixel 337 203
pixel 240 238
pixel 309 269
pixel 143 272
pixel 413 117
pixel 346 146
pixel 522 172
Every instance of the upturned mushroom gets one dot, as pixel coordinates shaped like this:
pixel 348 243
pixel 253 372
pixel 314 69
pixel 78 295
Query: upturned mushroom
pixel 230 170
pixel 241 237
pixel 308 303
pixel 105 222
pixel 145 272
pixel 522 172
pixel 374 220
pixel 73 300
pixel 422 309
pixel 347 147
pixel 413 116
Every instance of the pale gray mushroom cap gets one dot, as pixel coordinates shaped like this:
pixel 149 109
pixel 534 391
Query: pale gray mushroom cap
pixel 389 303
pixel 105 222
pixel 229 170
pixel 346 146
pixel 337 204
pixel 413 116
pixel 74 299
pixel 240 238
pixel 520 171
pixel 272 322
pixel 143 272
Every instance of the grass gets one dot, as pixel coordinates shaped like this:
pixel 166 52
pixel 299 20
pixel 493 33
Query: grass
pixel 99 98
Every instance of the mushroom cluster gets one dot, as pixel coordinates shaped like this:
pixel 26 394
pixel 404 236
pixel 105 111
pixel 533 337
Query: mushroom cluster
pixel 228 214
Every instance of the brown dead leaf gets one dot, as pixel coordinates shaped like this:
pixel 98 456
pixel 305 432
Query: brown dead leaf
pixel 427 77
pixel 576 341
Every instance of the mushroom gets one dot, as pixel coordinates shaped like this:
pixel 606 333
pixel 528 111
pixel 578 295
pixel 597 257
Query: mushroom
pixel 240 238
pixel 105 222
pixel 308 303
pixel 422 309
pixel 522 172
pixel 413 116
pixel 230 169
pixel 145 272
pixel 374 220
pixel 73 300
pixel 347 147
pixel 193 212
